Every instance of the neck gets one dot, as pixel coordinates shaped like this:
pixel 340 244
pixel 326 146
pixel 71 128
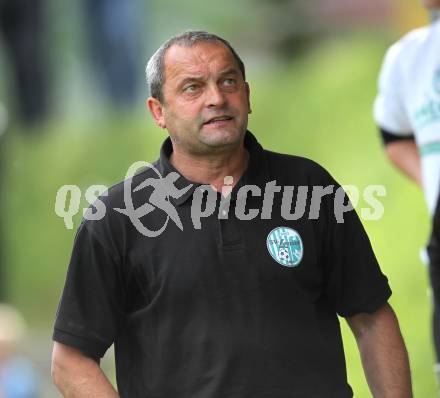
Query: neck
pixel 211 169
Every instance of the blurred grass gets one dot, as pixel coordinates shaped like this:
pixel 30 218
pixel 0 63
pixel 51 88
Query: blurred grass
pixel 319 106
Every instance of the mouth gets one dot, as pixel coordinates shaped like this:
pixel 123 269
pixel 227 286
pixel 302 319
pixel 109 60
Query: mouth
pixel 219 120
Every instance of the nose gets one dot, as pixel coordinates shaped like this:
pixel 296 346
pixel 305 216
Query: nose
pixel 214 96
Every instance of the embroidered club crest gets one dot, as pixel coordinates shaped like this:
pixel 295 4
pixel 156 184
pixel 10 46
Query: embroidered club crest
pixel 285 246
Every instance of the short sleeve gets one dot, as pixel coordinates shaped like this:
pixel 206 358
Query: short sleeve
pixel 354 281
pixel 389 107
pixel 91 308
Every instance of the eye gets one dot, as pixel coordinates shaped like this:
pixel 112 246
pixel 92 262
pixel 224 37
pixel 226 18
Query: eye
pixel 229 82
pixel 191 88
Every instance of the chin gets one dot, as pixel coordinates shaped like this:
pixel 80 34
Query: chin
pixel 221 137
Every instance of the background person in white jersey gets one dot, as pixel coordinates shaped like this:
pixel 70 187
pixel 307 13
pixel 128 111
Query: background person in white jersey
pixel 407 111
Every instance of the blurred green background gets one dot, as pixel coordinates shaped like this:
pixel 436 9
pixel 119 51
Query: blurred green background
pixel 312 72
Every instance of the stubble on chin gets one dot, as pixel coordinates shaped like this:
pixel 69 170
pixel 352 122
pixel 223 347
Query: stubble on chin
pixel 219 139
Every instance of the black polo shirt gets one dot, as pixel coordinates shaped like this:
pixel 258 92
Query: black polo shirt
pixel 233 309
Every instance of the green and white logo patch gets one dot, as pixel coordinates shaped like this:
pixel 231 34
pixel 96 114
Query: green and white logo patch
pixel 285 246
pixel 428 112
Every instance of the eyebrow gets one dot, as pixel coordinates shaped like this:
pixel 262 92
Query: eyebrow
pixel 230 71
pixel 198 78
pixel 190 79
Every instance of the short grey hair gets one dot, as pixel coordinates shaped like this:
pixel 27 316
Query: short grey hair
pixel 155 70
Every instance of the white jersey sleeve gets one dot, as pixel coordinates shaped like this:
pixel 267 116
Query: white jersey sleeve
pixel 389 107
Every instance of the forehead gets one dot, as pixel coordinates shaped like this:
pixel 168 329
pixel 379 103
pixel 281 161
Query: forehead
pixel 200 59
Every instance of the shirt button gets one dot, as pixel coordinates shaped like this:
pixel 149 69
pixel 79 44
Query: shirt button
pixel 224 212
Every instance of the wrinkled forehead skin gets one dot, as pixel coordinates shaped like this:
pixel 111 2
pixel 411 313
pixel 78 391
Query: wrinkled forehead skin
pixel 201 60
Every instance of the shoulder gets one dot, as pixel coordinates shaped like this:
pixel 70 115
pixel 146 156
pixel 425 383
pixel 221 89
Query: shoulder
pixel 108 213
pixel 406 48
pixel 117 195
pixel 297 170
pixel 413 39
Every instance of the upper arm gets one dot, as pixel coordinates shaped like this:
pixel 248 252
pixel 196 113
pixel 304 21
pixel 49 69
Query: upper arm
pixel 354 280
pixel 362 323
pixel 401 149
pixel 405 155
pixel 67 356
pixel 92 305
pixel 70 363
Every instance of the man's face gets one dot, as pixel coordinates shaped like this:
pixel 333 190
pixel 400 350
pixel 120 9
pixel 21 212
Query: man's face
pixel 431 4
pixel 205 98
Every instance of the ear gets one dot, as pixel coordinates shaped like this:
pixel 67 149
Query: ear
pixel 248 94
pixel 156 110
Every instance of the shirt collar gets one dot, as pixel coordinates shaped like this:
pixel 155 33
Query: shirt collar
pixel 256 172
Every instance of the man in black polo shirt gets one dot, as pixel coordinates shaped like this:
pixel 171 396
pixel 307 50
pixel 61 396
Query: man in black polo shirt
pixel 219 271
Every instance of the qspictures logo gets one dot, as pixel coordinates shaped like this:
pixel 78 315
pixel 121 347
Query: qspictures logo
pixel 284 245
pixel 163 189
